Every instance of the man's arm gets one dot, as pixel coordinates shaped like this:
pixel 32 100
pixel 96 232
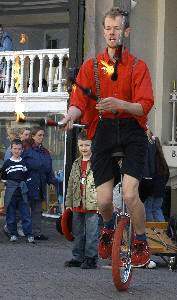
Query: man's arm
pixel 113 104
pixel 73 114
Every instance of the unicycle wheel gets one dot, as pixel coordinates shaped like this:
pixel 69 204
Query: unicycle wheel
pixel 121 254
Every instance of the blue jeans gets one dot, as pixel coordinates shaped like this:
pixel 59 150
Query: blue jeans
pixel 17 202
pixel 85 232
pixel 153 208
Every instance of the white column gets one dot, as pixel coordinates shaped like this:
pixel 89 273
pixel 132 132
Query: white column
pixel 40 73
pixel 159 76
pixel 12 75
pixel 50 73
pixel 30 88
pixel 7 76
pixel 22 59
pixel 60 74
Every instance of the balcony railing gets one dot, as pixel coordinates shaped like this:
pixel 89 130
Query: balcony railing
pixel 36 67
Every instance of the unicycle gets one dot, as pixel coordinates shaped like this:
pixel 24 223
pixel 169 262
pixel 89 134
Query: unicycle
pixel 122 248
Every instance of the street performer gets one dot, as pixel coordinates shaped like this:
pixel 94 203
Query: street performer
pixel 119 118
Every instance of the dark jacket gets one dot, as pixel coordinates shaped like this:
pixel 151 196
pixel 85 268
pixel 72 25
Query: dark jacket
pixel 152 184
pixel 150 161
pixel 39 164
pixel 6 42
pixel 159 184
pixel 147 184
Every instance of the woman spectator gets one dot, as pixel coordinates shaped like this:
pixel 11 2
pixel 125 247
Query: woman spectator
pixel 39 165
pixel 152 185
pixel 153 204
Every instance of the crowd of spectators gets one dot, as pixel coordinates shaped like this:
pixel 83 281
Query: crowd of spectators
pixel 27 169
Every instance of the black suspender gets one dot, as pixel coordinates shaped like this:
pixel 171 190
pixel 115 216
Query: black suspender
pixel 96 77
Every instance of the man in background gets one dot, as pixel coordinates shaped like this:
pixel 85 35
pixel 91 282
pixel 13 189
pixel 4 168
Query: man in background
pixel 5 40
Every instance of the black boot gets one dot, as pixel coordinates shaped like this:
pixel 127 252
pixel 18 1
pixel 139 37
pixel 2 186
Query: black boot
pixel 89 263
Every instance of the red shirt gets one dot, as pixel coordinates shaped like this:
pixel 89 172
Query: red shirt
pixel 133 87
pixel 83 177
pixel 83 173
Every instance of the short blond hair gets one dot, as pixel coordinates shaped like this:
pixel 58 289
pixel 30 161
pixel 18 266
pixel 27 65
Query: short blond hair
pixel 113 13
pixel 13 130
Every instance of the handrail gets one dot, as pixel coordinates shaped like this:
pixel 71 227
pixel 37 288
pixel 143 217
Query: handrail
pixel 34 66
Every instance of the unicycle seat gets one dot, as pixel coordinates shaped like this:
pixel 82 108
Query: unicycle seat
pixel 118 152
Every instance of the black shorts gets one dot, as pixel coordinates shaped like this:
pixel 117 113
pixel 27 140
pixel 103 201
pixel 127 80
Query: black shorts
pixel 113 133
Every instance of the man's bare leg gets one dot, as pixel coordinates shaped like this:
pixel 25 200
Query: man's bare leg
pixel 133 202
pixel 141 252
pixel 105 196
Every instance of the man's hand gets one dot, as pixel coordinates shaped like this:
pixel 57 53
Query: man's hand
pixel 68 121
pixel 73 114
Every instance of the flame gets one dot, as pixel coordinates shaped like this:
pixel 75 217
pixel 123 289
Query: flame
pixel 74 88
pixel 109 69
pixel 24 38
pixel 19 107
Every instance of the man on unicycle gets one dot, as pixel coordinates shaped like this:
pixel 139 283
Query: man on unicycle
pixel 119 117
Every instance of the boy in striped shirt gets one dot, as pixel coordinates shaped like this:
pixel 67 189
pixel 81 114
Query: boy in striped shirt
pixel 15 174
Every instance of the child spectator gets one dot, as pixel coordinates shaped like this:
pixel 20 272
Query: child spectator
pixel 82 199
pixel 24 133
pixel 14 171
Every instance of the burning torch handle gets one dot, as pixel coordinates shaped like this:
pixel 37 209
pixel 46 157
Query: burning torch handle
pixel 123 28
pixel 60 124
pixel 120 45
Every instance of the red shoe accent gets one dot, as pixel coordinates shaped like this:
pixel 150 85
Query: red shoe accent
pixel 105 243
pixel 141 254
pixel 122 263
pixel 110 262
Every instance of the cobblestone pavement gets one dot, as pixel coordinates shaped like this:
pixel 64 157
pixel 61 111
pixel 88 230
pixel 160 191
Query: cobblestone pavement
pixel 37 272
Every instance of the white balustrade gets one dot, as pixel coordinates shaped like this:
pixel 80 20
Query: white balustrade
pixel 30 88
pixel 50 73
pixel 60 74
pixel 12 88
pixel 40 73
pixel 33 72
pixel 7 66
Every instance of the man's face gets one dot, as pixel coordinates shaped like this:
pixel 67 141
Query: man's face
pixel 112 29
pixel 1 32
